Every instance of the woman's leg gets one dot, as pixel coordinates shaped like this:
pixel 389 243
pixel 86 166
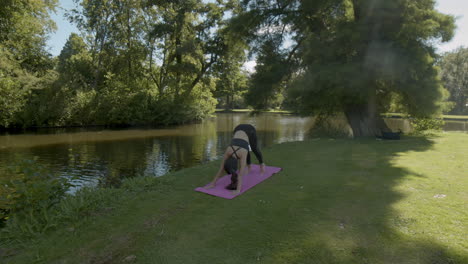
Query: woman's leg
pixel 252 134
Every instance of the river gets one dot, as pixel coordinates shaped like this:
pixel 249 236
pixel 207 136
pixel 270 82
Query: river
pixel 103 157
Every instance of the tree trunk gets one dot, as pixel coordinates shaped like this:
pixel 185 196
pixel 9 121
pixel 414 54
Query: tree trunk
pixel 460 105
pixel 364 119
pixel 228 104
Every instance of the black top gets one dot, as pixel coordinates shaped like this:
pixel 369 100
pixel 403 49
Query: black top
pixel 240 143
pixel 252 134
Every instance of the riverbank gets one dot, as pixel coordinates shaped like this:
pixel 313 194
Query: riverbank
pixel 444 117
pixel 388 115
pixel 336 201
pixel 245 110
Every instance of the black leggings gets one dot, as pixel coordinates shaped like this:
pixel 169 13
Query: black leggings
pixel 252 134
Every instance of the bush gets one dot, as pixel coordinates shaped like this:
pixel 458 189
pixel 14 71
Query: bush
pixel 421 125
pixel 85 203
pixel 30 186
pixel 12 100
pixel 329 126
pixel 35 208
pixel 26 195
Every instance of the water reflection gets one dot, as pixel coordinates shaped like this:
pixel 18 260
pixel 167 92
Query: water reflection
pixel 104 157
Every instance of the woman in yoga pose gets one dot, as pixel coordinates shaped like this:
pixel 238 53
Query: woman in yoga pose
pixel 244 139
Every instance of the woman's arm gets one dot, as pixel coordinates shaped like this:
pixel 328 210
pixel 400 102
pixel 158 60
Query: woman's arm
pixel 219 173
pixel 242 172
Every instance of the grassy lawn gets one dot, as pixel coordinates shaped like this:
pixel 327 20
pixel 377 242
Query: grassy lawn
pixel 336 201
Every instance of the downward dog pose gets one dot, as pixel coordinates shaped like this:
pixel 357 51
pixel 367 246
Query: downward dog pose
pixel 251 133
pixel 244 139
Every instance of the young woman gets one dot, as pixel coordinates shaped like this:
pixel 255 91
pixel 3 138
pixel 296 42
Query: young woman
pixel 244 139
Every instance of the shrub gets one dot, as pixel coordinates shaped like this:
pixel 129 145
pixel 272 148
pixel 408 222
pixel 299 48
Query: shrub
pixel 27 193
pixel 35 207
pixel 421 125
pixel 30 186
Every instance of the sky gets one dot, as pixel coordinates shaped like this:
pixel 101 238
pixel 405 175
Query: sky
pixel 64 27
pixel 457 8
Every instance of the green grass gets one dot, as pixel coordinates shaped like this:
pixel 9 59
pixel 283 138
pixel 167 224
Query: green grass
pixel 336 201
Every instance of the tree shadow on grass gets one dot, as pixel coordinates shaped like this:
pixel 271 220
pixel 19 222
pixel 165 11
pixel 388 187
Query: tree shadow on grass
pixel 334 202
pixel 345 214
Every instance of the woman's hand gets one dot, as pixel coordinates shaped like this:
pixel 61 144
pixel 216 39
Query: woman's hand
pixel 210 186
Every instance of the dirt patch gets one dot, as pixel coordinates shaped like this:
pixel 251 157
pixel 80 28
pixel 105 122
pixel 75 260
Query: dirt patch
pixel 116 251
pixel 119 248
pixel 8 252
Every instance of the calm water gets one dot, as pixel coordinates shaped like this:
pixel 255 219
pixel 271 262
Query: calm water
pixel 103 157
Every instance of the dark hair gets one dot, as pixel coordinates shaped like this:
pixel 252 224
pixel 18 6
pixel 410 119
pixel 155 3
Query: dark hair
pixel 230 165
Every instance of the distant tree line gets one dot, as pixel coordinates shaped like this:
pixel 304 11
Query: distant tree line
pixel 163 61
pixel 454 71
pixel 134 62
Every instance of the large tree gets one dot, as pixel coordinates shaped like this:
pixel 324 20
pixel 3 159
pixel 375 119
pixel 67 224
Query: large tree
pixel 349 55
pixel 186 42
pixel 114 31
pixel 231 79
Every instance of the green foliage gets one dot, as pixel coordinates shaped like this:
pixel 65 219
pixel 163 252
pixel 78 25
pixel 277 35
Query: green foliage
pixel 24 26
pixel 324 126
pixel 44 105
pixel 454 71
pixel 75 64
pixel 31 185
pixel 267 83
pixel 156 61
pixel 134 62
pixel 33 201
pixel 71 209
pixel 186 109
pixel 230 88
pixel 120 103
pixel 81 109
pixel 424 125
pixel 394 103
pixel 231 83
pixel 12 99
pixel 27 192
pixel 64 210
pixel 86 202
pixel 346 55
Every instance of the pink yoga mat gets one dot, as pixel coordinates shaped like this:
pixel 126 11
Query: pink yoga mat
pixel 248 181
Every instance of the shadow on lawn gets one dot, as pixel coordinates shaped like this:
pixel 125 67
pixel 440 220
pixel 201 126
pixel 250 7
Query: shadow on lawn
pixel 332 203
pixel 345 214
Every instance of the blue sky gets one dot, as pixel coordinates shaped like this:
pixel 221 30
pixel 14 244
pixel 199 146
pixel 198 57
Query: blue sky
pixel 458 8
pixel 64 27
